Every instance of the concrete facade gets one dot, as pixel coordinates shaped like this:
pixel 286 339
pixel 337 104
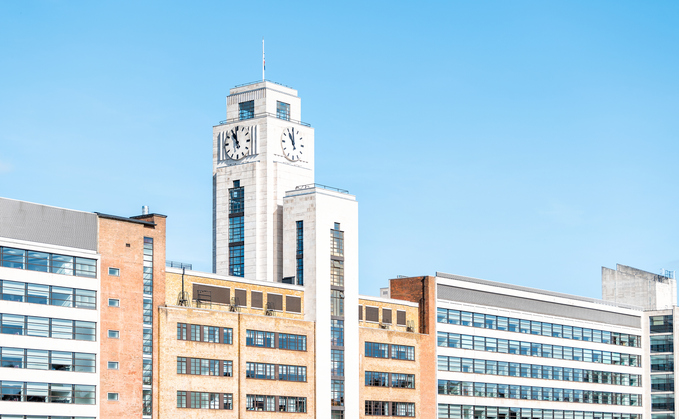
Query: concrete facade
pixel 627 285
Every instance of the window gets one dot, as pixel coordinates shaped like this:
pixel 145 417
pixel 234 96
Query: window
pixel 112 365
pixel 147 373
pixel 113 334
pixel 337 362
pixel 337 392
pixel 47 295
pixel 377 379
pixel 403 352
pixel 147 341
pixel 47 360
pixel 376 350
pixel 258 338
pixel 292 342
pixel 337 241
pixel 661 324
pixel 113 302
pixel 47 262
pixel 337 303
pixel 291 373
pixel 148 311
pixel 283 110
pixel 300 252
pixel 114 271
pixel 11 324
pixel 260 371
pixel 260 403
pixel 113 397
pixel 246 110
pixel 337 273
pixel 203 400
pixel 237 261
pixel 403 380
pixel 337 332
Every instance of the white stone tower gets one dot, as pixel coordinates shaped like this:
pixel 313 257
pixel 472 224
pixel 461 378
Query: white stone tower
pixel 259 152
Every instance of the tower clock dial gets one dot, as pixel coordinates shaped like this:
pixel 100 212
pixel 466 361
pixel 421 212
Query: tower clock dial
pixel 292 144
pixel 237 143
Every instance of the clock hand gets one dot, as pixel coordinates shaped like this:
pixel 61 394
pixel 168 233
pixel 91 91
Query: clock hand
pixel 235 139
pixel 292 138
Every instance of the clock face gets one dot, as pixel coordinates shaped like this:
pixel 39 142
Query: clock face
pixel 292 144
pixel 237 143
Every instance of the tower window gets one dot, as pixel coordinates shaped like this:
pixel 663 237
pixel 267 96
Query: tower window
pixel 300 252
pixel 282 110
pixel 246 110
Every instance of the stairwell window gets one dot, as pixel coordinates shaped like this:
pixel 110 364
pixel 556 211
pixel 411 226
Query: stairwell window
pixel 246 110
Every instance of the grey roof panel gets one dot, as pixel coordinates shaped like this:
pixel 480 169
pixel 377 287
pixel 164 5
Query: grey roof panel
pixel 22 220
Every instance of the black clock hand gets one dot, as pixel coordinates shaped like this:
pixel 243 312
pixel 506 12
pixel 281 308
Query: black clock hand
pixel 292 138
pixel 235 139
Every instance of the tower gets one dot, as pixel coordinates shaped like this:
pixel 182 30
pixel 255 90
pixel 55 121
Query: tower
pixel 260 151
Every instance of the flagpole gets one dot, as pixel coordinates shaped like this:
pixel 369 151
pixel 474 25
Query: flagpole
pixel 263 60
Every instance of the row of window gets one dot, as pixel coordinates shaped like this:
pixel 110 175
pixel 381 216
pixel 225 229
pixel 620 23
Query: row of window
pixel 661 324
pixel 260 403
pixel 545 372
pixel 481 343
pixel 382 379
pixel 268 340
pixel 203 400
pixel 37 359
pixel 47 262
pixel 662 382
pixel 379 408
pixel 510 324
pixel 383 350
pixel 198 366
pixel 456 411
pixel 662 363
pixel 46 392
pixel 662 343
pixel 200 333
pixel 275 372
pixel 12 324
pixel 46 294
pixel 662 402
pixel 505 391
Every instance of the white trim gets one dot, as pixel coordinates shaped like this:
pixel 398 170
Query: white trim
pixel 235 279
pixel 388 300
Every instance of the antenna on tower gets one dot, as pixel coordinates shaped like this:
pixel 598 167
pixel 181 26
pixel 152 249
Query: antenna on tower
pixel 263 61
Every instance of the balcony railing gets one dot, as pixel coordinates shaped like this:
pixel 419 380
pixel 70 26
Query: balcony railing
pixel 263 115
pixel 318 185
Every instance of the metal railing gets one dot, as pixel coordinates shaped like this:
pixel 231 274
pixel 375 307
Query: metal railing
pixel 261 81
pixel 180 265
pixel 264 114
pixel 318 185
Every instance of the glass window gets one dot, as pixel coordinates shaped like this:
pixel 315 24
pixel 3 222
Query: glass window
pixel 114 334
pixel 113 302
pixel 283 110
pixel 114 271
pixel 246 110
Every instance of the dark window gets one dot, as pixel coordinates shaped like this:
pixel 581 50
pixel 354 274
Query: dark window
pixel 274 301
pixel 300 252
pixel 246 110
pixel 256 299
pixel 372 314
pixel 283 110
pixel 360 312
pixel 293 304
pixel 386 315
pixel 400 318
pixel 241 298
pixel 661 324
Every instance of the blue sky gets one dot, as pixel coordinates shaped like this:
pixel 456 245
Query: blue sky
pixel 521 142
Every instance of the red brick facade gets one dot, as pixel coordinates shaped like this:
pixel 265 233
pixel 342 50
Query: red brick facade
pixel 422 290
pixel 121 245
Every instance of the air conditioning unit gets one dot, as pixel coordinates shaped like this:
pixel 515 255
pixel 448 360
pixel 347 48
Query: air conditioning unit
pixel 384 326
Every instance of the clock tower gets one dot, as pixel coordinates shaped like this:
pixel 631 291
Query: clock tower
pixel 259 152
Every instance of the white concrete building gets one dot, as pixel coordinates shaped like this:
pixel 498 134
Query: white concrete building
pixel 49 282
pixel 507 352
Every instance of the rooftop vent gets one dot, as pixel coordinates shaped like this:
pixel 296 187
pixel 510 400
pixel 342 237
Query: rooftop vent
pixel 144 210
